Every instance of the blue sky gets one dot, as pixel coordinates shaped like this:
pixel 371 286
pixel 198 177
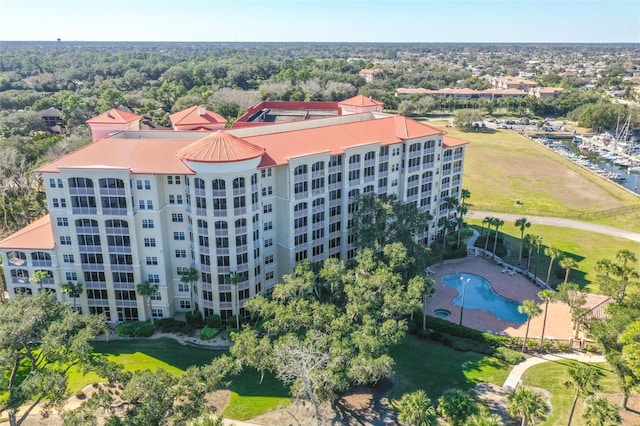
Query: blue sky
pixel 314 20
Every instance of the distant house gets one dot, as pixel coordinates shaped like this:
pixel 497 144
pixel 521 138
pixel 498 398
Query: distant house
pixel 197 118
pixel 52 118
pixel 448 92
pixel 546 92
pixel 370 74
pixel 512 83
pixel 113 121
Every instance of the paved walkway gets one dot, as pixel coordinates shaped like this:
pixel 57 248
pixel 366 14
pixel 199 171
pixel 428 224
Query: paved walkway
pixel 565 223
pixel 513 380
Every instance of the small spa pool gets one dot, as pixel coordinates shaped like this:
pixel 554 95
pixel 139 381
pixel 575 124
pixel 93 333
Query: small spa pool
pixel 442 313
pixel 479 294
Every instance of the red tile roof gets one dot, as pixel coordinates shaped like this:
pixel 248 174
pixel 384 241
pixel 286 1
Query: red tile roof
pixel 361 101
pixel 138 155
pixel 36 236
pixel 114 116
pixel 334 139
pixel 196 116
pixel 133 151
pixel 220 147
pixel 450 142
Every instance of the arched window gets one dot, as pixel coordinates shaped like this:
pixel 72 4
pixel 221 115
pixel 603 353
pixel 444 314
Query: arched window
pixel 427 175
pixel 20 275
pixel 202 224
pixel 317 167
pixel 80 182
pixel 238 183
pixel 300 170
pixel 240 223
pixel 299 207
pixel 220 225
pixel 355 158
pixel 86 222
pixel 199 183
pixel 218 185
pixel 368 189
pixel 371 155
pixel 40 256
pixel 413 180
pixel 116 223
pixel 254 179
pixel 318 202
pixel 111 183
pixel 16 258
pixel 414 147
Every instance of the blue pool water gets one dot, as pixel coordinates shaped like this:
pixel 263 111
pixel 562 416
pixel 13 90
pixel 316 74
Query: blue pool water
pixel 480 295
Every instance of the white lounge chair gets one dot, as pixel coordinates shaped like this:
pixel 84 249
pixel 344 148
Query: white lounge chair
pixel 513 272
pixel 505 270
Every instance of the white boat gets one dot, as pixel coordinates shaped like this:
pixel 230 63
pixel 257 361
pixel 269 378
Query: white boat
pixel 634 169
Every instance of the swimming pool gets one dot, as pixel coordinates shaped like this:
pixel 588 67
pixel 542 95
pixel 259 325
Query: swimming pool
pixel 480 295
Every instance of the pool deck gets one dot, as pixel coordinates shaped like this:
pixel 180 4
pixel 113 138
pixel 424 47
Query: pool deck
pixel 516 287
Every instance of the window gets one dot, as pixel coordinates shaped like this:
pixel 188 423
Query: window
pixel 265 172
pixel 123 277
pixel 335 242
pixel 317 234
pixel 91 258
pixel 242 258
pixel 317 250
pixel 147 223
pixel 268 242
pixel 54 202
pixel 120 240
pixel 149 242
pixel 52 183
pixel 153 278
pixel 67 258
pixel 300 170
pixel 369 171
pixel 268 275
pixel 71 276
pixel 300 187
pixel 83 201
pixel 177 217
pixel 335 178
pixel 382 183
pixel 267 191
pixel 268 259
pixel 62 221
pixel 268 225
pixel 239 202
pixel 223 261
pixel 317 217
pixel 300 239
pixel 371 155
pixel 170 180
pixel 241 240
pixel 354 175
pixel 183 287
pixel 183 270
pixel 111 183
pixel 78 183
pixel 153 260
pixel 185 304
pixel 318 167
pixel 225 296
pixel 203 241
pixel 301 255
pixel 65 240
pixel 335 227
pixel 317 184
pixel 222 242
pixel 300 222
pixel 354 159
pixel 178 236
pixel 198 183
pixel 238 183
pixel 267 208
pixel 181 253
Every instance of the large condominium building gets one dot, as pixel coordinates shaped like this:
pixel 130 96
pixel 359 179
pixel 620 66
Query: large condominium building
pixel 246 204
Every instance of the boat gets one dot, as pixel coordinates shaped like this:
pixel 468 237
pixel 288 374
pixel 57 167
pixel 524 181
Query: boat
pixel 634 169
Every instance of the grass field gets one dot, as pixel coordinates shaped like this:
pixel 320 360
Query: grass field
pixel 436 368
pixel 503 166
pixel 585 247
pixel 552 376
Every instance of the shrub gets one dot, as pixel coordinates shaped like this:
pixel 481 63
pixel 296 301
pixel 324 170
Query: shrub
pixel 232 322
pixel 170 325
pixel 563 346
pixel 208 333
pixel 548 345
pixel 593 347
pixel 213 321
pixel 508 355
pixel 448 327
pixel 193 318
pixel 80 395
pixel 135 329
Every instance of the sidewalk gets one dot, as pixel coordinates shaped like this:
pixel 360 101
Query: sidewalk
pixel 513 380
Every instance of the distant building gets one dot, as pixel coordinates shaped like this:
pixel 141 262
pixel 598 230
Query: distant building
pixel 546 92
pixel 370 74
pixel 137 206
pixel 512 83
pixel 197 118
pixel 464 93
pixel 52 118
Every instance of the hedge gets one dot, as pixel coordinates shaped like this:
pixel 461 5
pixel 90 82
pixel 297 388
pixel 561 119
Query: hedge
pixel 135 329
pixel 208 333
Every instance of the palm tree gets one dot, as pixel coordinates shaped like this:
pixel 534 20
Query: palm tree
pixel 600 412
pixel 484 418
pixel 415 408
pixel 522 223
pixel 527 404
pixel 537 241
pixel 459 224
pixel 547 296
pixel 487 221
pixel 530 309
pixel 73 290
pixel 190 277
pixel 455 405
pixel 584 379
pixel 429 289
pixel 553 253
pixel 567 263
pixel 146 290
pixel 497 223
pixel 465 194
pixel 235 280
pixel 570 294
pixel 38 277
pixel 450 203
pixel 529 241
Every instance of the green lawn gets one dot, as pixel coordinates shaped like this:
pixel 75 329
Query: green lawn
pixel 503 166
pixel 249 396
pixel 585 247
pixel 552 376
pixel 436 368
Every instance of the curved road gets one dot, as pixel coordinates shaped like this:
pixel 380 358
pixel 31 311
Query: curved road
pixel 565 223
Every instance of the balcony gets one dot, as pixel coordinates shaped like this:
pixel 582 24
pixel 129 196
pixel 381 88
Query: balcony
pixel 113 191
pixel 201 212
pixel 84 210
pixel 200 192
pixel 111 231
pixel 119 249
pixel 81 191
pixel 219 212
pixel 93 267
pixel 122 268
pixel 90 248
pixel 39 263
pixel 219 193
pixel 114 211
pixel 300 178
